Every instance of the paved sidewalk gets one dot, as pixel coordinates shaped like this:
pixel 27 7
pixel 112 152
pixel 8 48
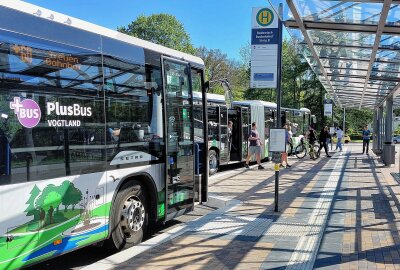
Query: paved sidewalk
pixel 338 213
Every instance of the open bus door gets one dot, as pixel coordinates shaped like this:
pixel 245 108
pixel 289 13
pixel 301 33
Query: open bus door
pixel 238 144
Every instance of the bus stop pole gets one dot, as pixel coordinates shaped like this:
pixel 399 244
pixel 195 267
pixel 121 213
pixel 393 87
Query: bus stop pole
pixel 278 99
pixel 344 121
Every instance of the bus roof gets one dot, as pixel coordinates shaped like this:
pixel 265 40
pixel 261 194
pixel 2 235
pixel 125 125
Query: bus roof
pixel 210 97
pixel 34 10
pixel 255 102
pixel 305 110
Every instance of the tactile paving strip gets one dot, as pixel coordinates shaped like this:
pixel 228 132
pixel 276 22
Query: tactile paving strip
pixel 288 229
pixel 234 225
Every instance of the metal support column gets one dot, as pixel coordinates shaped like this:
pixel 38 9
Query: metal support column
pixel 344 121
pixel 388 148
pixel 279 98
pixel 389 120
pixel 374 133
pixel 379 129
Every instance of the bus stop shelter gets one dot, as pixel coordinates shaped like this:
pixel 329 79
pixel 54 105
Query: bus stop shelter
pixel 354 49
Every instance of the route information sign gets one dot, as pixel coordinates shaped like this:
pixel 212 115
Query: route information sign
pixel 264 48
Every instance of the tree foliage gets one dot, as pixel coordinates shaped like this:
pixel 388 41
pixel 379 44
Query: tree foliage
pixel 32 210
pixel 53 196
pixel 49 200
pixel 72 195
pixel 219 67
pixel 300 86
pixel 162 29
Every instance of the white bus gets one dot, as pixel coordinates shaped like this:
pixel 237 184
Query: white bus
pixel 96 135
pixel 226 146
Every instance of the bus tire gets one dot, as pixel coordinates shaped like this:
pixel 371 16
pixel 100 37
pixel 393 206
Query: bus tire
pixel 129 216
pixel 213 161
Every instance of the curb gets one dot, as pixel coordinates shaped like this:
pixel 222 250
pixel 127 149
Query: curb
pixel 221 203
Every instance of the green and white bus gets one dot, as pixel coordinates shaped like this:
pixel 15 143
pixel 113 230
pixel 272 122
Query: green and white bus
pixel 96 135
pixel 230 147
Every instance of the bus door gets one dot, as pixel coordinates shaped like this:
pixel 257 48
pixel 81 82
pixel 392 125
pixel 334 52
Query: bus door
pixel 178 102
pixel 224 135
pixel 234 134
pixel 245 121
pixel 235 116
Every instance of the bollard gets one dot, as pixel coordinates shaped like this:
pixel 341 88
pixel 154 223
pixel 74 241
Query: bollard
pixel 276 185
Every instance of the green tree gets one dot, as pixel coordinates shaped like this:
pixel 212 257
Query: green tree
pixel 71 196
pixel 162 29
pixel 357 119
pixel 32 210
pixel 218 67
pixel 52 200
pixel 49 200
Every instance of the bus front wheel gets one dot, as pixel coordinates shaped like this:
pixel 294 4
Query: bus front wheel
pixel 129 217
pixel 213 161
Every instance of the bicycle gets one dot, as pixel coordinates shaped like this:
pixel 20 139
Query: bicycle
pixel 305 148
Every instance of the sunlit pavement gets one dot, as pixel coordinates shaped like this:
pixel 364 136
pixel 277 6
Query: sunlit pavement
pixel 338 213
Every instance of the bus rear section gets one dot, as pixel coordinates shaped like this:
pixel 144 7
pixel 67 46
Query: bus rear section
pixel 96 135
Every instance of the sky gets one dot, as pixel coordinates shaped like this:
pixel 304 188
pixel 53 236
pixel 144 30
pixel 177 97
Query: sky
pixel 215 24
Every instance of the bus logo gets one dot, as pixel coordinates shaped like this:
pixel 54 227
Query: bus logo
pixel 265 17
pixel 27 111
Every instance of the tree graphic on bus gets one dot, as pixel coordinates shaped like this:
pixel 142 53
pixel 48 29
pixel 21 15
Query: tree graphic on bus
pixel 44 206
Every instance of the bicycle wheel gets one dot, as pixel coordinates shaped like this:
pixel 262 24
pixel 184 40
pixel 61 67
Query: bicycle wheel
pixel 317 152
pixel 301 151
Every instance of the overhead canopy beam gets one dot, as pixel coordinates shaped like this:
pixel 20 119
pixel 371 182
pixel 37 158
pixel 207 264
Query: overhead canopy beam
pixel 350 46
pixel 364 1
pixel 344 27
pixel 308 40
pixel 381 25
pixel 359 58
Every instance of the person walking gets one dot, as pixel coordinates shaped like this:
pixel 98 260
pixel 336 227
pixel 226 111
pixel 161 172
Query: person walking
pixel 288 138
pixel 255 146
pixel 323 137
pixel 312 138
pixel 339 135
pixel 366 136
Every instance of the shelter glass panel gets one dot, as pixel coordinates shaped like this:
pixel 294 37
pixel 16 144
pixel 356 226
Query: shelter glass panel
pixel 339 11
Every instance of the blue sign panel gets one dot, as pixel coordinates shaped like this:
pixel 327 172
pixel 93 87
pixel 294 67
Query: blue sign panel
pixel 263 76
pixel 264 36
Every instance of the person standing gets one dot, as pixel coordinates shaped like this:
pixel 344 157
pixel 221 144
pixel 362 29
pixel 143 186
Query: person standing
pixel 230 129
pixel 312 136
pixel 288 138
pixel 255 147
pixel 366 136
pixel 339 135
pixel 289 141
pixel 323 138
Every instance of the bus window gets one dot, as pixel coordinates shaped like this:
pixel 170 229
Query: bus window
pixel 133 112
pixel 198 107
pixel 48 131
pixel 269 121
pixel 213 125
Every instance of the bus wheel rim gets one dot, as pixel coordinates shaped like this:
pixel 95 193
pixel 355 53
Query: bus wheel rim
pixel 133 215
